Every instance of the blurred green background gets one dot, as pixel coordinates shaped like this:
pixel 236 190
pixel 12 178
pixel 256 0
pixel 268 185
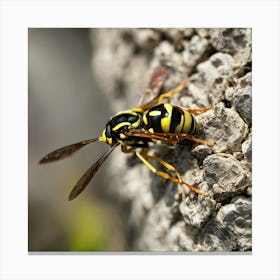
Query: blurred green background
pixel 65 106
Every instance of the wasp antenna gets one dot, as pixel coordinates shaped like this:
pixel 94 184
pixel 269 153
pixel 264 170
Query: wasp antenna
pixel 88 175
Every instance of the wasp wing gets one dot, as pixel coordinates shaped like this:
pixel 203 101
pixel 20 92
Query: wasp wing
pixel 158 77
pixel 155 84
pixel 66 151
pixel 85 179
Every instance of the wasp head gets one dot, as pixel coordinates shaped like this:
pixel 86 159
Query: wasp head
pixel 115 129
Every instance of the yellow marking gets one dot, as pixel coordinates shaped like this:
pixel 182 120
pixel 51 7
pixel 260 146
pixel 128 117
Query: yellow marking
pixel 179 127
pixel 122 136
pixel 151 130
pixel 132 112
pixel 105 139
pixel 109 141
pixel 137 110
pixel 118 126
pixel 165 122
pixel 195 126
pixel 154 113
pixel 103 136
pixel 136 124
pixel 145 120
pixel 188 122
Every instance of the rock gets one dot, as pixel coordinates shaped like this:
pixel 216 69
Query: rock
pixel 180 239
pixel 240 94
pixel 196 211
pixel 208 85
pixel 235 41
pixel 201 151
pixel 247 149
pixel 115 72
pixel 154 229
pixel 230 229
pixel 160 215
pixel 165 54
pixel 194 52
pixel 225 127
pixel 203 32
pixel 143 39
pixel 243 103
pixel 226 175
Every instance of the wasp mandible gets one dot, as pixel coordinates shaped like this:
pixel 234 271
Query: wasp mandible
pixel 137 128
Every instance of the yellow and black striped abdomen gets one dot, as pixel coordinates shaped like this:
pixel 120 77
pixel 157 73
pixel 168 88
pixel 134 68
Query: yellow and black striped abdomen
pixel 169 118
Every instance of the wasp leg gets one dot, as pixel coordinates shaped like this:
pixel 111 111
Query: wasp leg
pixel 177 138
pixel 170 167
pixel 198 111
pixel 172 92
pixel 158 99
pixel 127 150
pixel 143 156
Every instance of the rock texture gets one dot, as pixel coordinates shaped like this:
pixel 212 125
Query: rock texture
pixel 162 216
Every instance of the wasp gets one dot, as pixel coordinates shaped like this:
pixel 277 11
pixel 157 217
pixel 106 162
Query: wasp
pixel 134 130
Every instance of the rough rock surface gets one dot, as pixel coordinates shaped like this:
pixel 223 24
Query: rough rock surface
pixel 162 216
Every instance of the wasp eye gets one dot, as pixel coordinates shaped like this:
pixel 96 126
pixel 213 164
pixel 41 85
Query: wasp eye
pixel 108 132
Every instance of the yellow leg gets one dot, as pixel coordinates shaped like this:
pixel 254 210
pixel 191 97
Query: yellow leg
pixel 172 92
pixel 143 156
pixel 144 153
pixel 177 138
pixel 158 99
pixel 127 150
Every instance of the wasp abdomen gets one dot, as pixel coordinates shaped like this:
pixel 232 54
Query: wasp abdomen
pixel 169 118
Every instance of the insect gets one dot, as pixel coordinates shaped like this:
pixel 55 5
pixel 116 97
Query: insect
pixel 135 129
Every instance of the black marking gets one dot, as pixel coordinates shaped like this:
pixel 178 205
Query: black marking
pixel 175 118
pixel 117 120
pixel 155 121
pixel 184 120
pixel 192 125
pixel 141 145
pixel 132 119
pixel 108 131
